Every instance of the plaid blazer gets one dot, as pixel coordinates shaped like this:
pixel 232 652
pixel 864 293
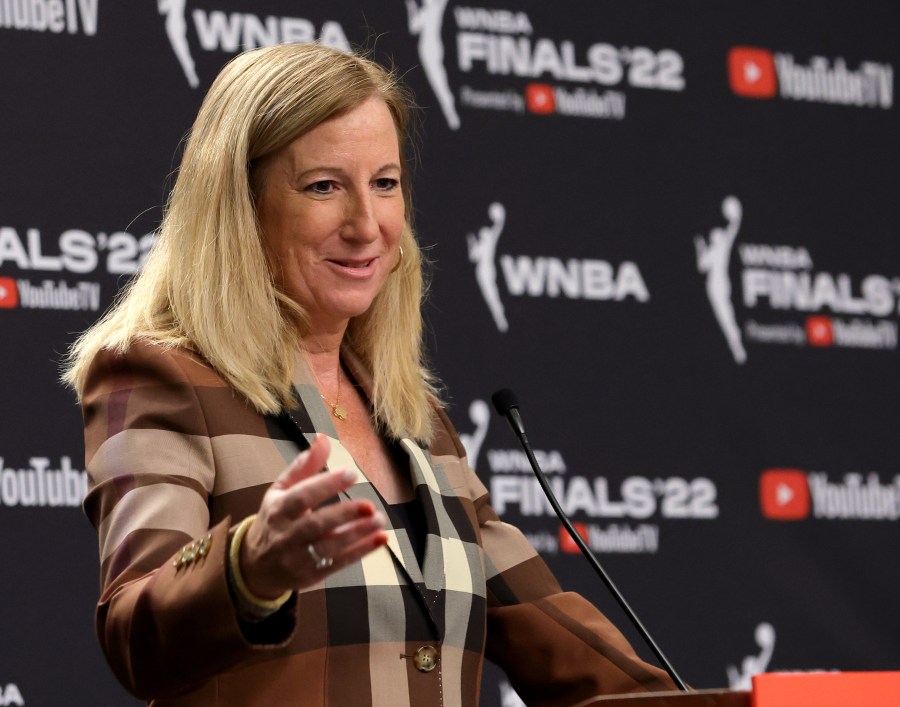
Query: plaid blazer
pixel 174 454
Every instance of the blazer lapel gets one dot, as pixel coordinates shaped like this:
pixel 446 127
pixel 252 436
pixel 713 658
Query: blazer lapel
pixel 311 416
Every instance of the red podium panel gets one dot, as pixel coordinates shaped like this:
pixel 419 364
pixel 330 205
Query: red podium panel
pixel 827 690
pixel 778 690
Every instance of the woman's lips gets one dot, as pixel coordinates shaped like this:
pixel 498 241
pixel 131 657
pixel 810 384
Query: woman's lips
pixel 354 267
pixel 354 263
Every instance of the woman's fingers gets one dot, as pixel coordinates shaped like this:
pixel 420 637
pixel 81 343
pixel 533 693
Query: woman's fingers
pixel 366 544
pixel 295 502
pixel 330 518
pixel 341 538
pixel 343 532
pixel 305 464
pixel 301 487
pixel 294 516
pixel 354 543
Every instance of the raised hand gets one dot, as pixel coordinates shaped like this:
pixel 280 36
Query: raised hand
pixel 294 543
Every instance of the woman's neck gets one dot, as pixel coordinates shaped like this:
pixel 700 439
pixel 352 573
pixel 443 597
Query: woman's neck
pixel 323 353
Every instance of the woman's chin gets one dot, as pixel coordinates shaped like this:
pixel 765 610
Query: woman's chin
pixel 339 315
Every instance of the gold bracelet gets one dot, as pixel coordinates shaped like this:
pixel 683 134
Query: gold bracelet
pixel 234 564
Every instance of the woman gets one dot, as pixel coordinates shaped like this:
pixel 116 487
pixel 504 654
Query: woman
pixel 279 310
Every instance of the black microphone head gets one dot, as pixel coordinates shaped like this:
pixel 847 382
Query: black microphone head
pixel 504 400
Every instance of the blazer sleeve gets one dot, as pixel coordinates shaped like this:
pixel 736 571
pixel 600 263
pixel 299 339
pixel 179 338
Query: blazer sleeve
pixel 164 629
pixel 555 647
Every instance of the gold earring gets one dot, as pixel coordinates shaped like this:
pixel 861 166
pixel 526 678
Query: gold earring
pixel 399 261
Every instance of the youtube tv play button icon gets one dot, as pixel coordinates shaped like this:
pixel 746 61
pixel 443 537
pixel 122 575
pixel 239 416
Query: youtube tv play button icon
pixel 751 72
pixel 784 494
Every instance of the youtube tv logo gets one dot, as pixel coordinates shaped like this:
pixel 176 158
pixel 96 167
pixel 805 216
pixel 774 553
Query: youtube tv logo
pixel 9 293
pixel 566 544
pixel 784 494
pixel 751 72
pixel 819 331
pixel 539 98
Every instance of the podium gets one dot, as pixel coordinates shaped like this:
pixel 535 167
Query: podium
pixel 696 698
pixel 874 689
pixel 827 690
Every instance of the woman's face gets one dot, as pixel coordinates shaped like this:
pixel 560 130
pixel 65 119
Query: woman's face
pixel 331 211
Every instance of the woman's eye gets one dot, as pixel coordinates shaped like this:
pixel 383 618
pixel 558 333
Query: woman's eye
pixel 324 186
pixel 386 184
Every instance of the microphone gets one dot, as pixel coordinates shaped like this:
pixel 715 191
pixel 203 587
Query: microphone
pixel 507 405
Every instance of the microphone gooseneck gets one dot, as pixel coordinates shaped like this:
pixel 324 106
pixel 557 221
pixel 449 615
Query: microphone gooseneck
pixel 507 405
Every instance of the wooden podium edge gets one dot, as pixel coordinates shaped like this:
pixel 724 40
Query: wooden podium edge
pixel 694 698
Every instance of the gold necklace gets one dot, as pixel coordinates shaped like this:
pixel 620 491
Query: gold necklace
pixel 338 410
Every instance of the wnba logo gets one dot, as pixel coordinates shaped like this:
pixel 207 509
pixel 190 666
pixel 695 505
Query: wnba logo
pixel 713 258
pixel 426 21
pixel 234 31
pixel 526 276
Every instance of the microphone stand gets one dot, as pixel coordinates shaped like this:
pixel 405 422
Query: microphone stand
pixel 506 405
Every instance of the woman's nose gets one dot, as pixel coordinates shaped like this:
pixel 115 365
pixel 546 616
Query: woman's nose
pixel 361 219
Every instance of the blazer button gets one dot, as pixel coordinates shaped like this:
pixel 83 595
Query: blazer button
pixel 426 659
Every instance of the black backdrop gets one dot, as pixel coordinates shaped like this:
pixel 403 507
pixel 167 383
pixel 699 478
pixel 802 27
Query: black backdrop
pixel 688 215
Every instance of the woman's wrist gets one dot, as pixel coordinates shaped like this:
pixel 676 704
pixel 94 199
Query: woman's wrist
pixel 250 606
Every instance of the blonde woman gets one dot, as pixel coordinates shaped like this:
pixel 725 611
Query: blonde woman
pixel 274 334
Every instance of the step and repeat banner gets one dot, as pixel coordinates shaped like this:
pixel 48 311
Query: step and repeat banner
pixel 673 228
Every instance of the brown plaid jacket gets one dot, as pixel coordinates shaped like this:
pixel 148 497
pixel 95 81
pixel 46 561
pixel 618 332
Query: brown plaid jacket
pixel 173 453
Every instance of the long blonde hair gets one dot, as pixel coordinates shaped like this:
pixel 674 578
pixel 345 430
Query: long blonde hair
pixel 207 286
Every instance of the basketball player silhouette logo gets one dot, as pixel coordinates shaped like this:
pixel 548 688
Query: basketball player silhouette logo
pixel 482 249
pixel 176 29
pixel 426 21
pixel 712 260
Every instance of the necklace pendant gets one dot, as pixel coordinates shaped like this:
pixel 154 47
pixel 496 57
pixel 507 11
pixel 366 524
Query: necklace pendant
pixel 339 412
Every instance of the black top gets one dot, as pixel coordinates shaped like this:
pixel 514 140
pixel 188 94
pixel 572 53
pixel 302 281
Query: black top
pixel 413 517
